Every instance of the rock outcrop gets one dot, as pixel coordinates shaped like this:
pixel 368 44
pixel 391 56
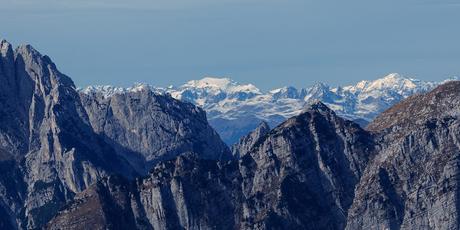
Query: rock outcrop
pixel 413 182
pixel 299 175
pixel 314 171
pixel 146 127
pixel 51 149
pixel 247 142
pixel 185 193
pixel 136 159
pixel 302 174
pixel 47 141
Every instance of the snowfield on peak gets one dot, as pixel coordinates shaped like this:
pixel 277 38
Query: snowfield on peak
pixel 220 84
pixel 109 90
pixel 235 109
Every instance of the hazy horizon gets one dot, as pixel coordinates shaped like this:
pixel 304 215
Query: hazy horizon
pixel 292 42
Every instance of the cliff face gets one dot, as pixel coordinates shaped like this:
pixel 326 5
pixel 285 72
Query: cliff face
pixel 46 138
pixel 288 179
pixel 146 127
pixel 185 193
pixel 303 173
pixel 413 183
pixel 49 150
pixel 314 171
pixel 245 144
pixel 143 160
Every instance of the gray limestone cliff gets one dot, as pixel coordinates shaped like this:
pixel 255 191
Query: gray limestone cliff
pixel 291 178
pixel 314 171
pixel 51 148
pixel 140 160
pixel 184 193
pixel 245 143
pixel 413 182
pixel 302 174
pixel 46 139
pixel 146 127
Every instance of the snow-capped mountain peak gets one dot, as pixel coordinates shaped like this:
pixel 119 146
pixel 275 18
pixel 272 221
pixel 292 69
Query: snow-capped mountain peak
pixel 285 92
pixel 220 84
pixel 392 81
pixel 210 82
pixel 210 91
pixel 106 90
pixel 229 106
pixel 234 109
pixel 109 90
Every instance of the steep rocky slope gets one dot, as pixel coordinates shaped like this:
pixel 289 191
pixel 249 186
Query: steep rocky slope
pixel 147 127
pixel 442 102
pixel 302 174
pixel 185 193
pixel 314 171
pixel 88 154
pixel 413 183
pixel 246 143
pixel 291 178
pixel 46 139
pixel 49 150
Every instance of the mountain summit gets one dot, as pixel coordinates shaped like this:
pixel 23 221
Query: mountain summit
pixel 113 158
pixel 314 171
pixel 235 109
pixel 56 142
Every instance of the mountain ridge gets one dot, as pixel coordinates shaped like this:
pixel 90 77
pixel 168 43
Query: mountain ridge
pixel 55 142
pixel 413 182
pixel 259 191
pixel 235 109
pixel 65 157
pixel 314 171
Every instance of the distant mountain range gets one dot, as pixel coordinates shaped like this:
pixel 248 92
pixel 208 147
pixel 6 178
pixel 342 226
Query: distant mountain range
pixel 137 158
pixel 314 171
pixel 235 109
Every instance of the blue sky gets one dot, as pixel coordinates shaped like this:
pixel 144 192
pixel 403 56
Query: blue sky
pixel 266 42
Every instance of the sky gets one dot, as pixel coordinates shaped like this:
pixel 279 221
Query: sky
pixel 269 43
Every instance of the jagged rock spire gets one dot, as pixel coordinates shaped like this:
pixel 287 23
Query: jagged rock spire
pixel 247 142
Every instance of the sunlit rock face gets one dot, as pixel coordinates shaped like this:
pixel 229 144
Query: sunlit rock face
pixel 314 171
pixel 413 181
pixel 112 158
pixel 298 175
pixel 55 143
pixel 146 127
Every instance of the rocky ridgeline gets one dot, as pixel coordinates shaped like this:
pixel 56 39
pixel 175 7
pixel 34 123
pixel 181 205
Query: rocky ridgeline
pixel 136 159
pixel 55 144
pixel 145 127
pixel 413 181
pixel 302 173
pixel 314 171
pixel 235 109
